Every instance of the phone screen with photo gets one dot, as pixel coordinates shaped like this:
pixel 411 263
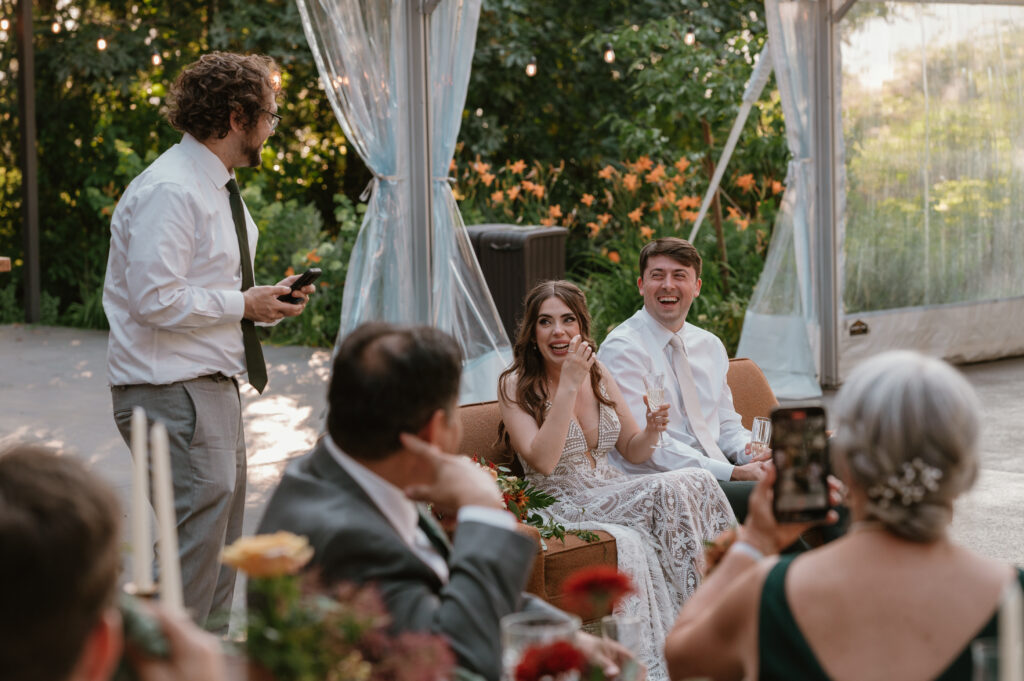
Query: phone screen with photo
pixel 800 454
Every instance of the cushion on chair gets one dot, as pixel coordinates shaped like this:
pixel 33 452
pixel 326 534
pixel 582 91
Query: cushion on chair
pixel 751 394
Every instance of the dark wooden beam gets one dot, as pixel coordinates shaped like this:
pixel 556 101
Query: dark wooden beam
pixel 29 160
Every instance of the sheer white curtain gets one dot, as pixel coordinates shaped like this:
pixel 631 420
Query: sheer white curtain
pixel 781 330
pixel 360 51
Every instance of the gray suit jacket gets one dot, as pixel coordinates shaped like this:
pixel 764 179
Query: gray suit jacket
pixel 354 542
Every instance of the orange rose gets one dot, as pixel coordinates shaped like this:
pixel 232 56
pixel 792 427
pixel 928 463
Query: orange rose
pixel 268 555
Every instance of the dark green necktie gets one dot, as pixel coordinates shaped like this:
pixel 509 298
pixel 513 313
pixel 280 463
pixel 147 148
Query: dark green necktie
pixel 253 352
pixel 434 532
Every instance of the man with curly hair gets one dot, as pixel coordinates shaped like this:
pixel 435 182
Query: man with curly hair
pixel 182 304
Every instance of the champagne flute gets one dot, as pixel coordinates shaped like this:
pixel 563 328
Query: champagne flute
pixel 760 435
pixel 654 387
pixel 627 630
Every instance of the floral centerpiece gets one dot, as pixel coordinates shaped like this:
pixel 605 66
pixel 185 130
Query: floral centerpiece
pixel 525 501
pixel 297 631
pixel 590 593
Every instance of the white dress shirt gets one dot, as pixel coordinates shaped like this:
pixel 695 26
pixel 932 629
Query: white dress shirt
pixel 172 292
pixel 403 515
pixel 640 345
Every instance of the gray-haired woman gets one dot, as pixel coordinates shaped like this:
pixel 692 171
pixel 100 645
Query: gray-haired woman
pixel 893 599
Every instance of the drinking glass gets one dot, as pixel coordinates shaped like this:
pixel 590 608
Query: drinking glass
pixel 760 434
pixel 522 630
pixel 985 657
pixel 654 386
pixel 627 630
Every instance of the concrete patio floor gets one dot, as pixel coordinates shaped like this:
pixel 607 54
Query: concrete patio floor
pixel 53 390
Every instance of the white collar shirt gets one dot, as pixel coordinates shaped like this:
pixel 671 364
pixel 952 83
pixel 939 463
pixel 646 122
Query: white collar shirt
pixel 397 509
pixel 641 345
pixel 172 292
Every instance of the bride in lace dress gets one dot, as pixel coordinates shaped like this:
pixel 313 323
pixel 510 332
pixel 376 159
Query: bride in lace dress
pixel 562 412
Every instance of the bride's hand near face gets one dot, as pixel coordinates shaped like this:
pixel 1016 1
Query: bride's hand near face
pixel 576 367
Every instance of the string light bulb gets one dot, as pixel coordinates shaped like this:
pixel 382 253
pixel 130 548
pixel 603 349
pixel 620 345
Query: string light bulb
pixel 156 58
pixel 4 24
pixel 531 67
pixel 609 54
pixel 101 44
pixel 55 27
pixel 691 36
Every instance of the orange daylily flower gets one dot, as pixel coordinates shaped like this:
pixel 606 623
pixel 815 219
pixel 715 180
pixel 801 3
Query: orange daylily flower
pixel 656 175
pixel 606 172
pixel 604 218
pixel 513 193
pixel 646 232
pixel 630 182
pixel 777 187
pixel 538 191
pixel 312 256
pixel 614 256
pixel 587 200
pixel 518 167
pixel 498 196
pixel 689 215
pixel 635 215
pixel 682 164
pixel 555 211
pixel 688 202
pixel 547 222
pixel 289 272
pixel 487 179
pixel 595 229
pixel 481 168
pixel 746 182
pixel 451 166
pixel 643 164
pixel 528 186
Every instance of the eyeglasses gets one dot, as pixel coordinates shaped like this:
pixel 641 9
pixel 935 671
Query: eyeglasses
pixel 274 118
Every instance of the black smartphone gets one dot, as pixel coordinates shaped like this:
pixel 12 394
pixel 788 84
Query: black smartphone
pixel 800 454
pixel 305 279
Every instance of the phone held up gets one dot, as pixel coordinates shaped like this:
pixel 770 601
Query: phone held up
pixel 305 279
pixel 800 455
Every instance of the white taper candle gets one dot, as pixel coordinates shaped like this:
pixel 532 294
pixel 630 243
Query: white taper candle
pixel 1011 635
pixel 163 494
pixel 142 538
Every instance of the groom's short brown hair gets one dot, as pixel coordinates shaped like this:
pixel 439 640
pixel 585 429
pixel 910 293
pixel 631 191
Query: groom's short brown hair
pixel 680 250
pixel 59 561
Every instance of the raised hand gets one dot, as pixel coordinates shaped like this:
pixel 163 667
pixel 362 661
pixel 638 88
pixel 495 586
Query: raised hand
pixel 262 305
pixel 576 367
pixel 456 481
pixel 763 531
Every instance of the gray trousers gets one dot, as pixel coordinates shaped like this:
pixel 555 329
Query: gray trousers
pixel 204 426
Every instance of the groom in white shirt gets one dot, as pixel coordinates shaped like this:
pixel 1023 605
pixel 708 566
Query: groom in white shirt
pixel 704 429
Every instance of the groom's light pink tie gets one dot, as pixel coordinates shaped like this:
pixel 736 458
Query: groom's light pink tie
pixel 691 402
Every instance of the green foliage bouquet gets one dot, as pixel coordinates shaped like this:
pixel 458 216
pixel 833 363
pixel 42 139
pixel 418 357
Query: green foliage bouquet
pixel 296 632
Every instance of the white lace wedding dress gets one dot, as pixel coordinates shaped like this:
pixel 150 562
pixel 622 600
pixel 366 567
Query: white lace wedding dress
pixel 659 522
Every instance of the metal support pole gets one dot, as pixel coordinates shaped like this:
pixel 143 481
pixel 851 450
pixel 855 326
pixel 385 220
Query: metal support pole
pixel 29 161
pixel 824 230
pixel 421 204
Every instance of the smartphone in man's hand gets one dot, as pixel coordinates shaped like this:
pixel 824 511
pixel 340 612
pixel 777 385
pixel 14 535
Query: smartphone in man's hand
pixel 305 279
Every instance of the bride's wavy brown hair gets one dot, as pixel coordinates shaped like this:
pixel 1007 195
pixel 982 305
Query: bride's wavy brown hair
pixel 527 361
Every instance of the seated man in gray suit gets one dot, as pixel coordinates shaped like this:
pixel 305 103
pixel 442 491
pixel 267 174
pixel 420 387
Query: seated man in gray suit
pixel 392 414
